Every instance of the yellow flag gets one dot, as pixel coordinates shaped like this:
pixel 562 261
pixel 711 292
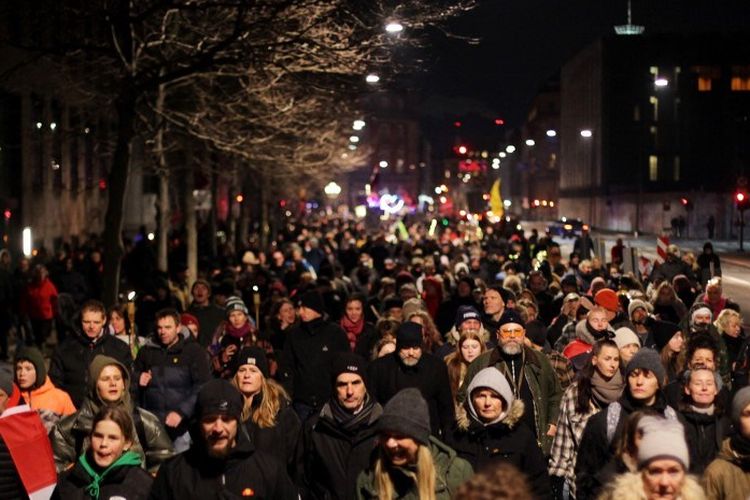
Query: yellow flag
pixel 496 200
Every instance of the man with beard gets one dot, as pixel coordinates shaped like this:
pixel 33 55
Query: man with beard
pixel 410 366
pixel 222 462
pixel 531 376
pixel 339 440
pixel 638 312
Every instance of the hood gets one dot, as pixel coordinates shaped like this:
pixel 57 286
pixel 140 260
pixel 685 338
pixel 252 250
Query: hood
pixel 36 358
pixel 95 369
pixel 582 333
pixel 630 486
pixel 453 336
pixel 464 420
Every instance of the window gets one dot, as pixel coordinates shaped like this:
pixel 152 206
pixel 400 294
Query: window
pixel 653 168
pixel 705 77
pixel 704 84
pixel 740 84
pixel 676 169
pixel 655 104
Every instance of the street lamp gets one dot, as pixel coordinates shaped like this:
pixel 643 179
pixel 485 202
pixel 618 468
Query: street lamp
pixel 394 27
pixel 332 190
pixel 530 142
pixel 372 78
pixel 383 164
pixel 354 139
pixel 358 124
pixel 586 133
pixel 661 82
pixel 552 133
pixel 26 241
pixel 510 148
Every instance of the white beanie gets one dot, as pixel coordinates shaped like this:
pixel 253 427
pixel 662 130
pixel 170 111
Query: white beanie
pixel 701 310
pixel 662 439
pixel 491 378
pixel 625 336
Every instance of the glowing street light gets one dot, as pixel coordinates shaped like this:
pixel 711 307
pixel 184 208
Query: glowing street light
pixel 354 139
pixel 372 78
pixel 332 190
pixel 502 154
pixel 383 164
pixel 661 82
pixel 510 149
pixel 26 241
pixel 358 124
pixel 394 27
pixel 552 133
pixel 586 133
pixel 530 142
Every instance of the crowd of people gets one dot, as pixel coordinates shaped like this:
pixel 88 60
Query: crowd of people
pixel 354 363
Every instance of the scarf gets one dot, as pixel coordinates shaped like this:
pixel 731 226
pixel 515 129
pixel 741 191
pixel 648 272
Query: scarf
pixel 238 333
pixel 604 334
pixel 607 391
pixel 741 446
pixel 126 459
pixel 352 329
pixel 348 420
pixel 703 411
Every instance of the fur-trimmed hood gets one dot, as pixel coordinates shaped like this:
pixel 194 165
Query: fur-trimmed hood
pixel 629 486
pixel 512 417
pixel 453 336
pixel 582 333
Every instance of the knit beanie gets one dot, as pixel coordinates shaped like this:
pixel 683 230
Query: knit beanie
pixel 96 366
pixel 663 331
pixel 250 355
pixel 663 438
pixel 6 382
pixel 647 359
pixel 412 307
pixel 739 403
pixel 700 311
pixel 569 280
pixel 409 334
pixel 625 336
pixel 536 332
pixel 607 298
pixel 235 303
pixel 189 319
pixel 392 301
pixel 312 300
pixel 638 304
pixel 466 313
pixel 490 378
pixel 36 358
pixel 510 316
pixel 219 397
pixel 348 362
pixel 201 281
pixel 407 413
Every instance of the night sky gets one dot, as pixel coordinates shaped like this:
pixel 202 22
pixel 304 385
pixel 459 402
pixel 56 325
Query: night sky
pixel 524 42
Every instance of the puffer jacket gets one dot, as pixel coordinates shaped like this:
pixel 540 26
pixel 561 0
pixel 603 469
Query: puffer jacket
pixel 629 486
pixel 70 437
pixel 450 472
pixel 728 477
pixel 542 382
pixel 509 441
pixel 177 374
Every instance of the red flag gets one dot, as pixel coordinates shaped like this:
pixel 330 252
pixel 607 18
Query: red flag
pixel 23 432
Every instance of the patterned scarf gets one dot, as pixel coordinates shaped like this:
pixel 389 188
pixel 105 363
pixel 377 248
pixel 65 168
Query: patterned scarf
pixel 238 333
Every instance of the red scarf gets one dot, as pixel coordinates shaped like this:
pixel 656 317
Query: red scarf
pixel 238 333
pixel 352 329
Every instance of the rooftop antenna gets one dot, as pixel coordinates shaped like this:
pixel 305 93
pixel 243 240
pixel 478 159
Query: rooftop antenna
pixel 629 29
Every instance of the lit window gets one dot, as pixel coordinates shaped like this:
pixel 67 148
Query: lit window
pixel 653 168
pixel 655 103
pixel 704 84
pixel 740 83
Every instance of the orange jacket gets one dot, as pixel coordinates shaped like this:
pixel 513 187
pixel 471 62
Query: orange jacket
pixel 49 397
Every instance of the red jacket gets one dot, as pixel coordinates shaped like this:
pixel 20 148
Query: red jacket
pixel 39 300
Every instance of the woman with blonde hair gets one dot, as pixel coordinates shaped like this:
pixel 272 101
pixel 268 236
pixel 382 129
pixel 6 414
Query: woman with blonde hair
pixel 667 305
pixel 271 423
pixel 470 346
pixel 409 463
pixel 729 325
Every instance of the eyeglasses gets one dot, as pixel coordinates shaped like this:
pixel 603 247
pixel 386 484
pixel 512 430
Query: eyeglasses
pixel 511 333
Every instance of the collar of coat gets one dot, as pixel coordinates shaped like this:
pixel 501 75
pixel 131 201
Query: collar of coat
pixel 529 357
pixel 630 486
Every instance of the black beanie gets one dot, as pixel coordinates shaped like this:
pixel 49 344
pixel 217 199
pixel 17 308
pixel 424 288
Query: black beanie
pixel 36 358
pixel 219 397
pixel 251 355
pixel 312 300
pixel 510 316
pixel 536 332
pixel 348 362
pixel 409 334
pixel 647 359
pixel 663 331
pixel 407 413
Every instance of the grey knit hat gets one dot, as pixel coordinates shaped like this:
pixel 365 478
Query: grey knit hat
pixel 407 413
pixel 235 303
pixel 638 304
pixel 625 336
pixel 739 403
pixel 663 439
pixel 647 359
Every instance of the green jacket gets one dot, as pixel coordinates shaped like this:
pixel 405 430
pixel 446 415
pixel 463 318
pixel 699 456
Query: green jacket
pixel 543 384
pixel 450 472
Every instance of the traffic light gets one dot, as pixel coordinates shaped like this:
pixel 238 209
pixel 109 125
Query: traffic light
pixel 742 200
pixel 687 203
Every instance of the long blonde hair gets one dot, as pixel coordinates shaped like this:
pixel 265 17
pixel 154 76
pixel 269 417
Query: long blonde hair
pixel 272 396
pixel 424 478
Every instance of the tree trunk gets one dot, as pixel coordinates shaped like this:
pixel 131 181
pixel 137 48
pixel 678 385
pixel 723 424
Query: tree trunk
pixel 191 227
pixel 118 185
pixel 164 215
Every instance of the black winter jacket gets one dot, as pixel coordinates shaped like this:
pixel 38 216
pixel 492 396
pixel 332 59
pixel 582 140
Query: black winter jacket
pixel 177 374
pixel 510 441
pixel 244 473
pixel 334 456
pixel 282 440
pixel 388 375
pixel 128 482
pixel 704 435
pixel 69 367
pixel 305 364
